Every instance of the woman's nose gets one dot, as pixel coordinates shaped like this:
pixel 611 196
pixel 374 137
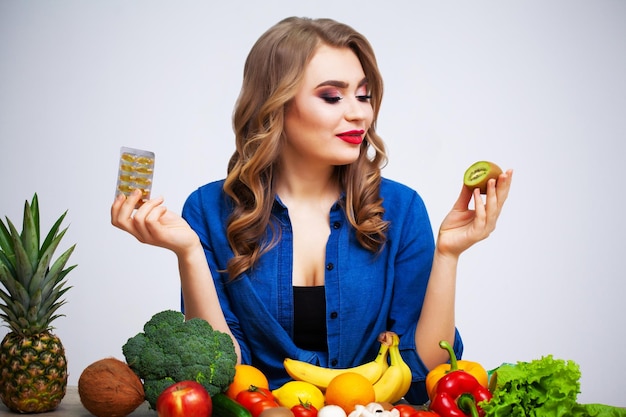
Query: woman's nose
pixel 356 109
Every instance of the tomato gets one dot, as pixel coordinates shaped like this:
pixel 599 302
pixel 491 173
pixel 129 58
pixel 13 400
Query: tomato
pixel 258 407
pixel 407 410
pixel 304 410
pixel 252 395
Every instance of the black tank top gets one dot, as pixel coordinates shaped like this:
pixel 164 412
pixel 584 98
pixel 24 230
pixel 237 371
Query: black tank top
pixel 309 321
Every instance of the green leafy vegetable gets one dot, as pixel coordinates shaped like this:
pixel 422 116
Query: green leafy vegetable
pixel 544 387
pixel 598 410
pixel 172 349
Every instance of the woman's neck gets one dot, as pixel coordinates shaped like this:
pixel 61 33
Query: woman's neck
pixel 308 186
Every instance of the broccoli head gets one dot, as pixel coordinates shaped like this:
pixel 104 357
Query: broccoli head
pixel 171 349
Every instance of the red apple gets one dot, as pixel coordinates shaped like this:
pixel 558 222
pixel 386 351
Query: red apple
pixel 184 399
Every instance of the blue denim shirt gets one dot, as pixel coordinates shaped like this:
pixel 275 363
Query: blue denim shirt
pixel 366 293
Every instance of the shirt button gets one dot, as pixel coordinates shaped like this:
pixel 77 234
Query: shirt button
pixel 330 266
pixel 334 362
pixel 336 225
pixel 333 315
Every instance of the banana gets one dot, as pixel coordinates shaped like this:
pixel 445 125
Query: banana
pixel 407 375
pixel 321 376
pixel 396 380
pixel 387 388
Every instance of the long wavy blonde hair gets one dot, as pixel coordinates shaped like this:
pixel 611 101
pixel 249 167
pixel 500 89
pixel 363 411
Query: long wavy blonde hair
pixel 272 74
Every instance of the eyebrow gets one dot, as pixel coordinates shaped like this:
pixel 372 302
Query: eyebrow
pixel 340 84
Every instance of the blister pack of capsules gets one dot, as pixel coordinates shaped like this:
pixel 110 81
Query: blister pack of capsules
pixel 136 171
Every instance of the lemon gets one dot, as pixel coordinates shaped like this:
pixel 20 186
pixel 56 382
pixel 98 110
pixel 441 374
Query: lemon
pixel 293 392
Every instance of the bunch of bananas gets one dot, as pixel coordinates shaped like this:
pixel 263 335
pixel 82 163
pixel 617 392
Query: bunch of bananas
pixel 391 379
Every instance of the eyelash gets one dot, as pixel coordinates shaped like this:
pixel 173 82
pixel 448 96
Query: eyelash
pixel 336 99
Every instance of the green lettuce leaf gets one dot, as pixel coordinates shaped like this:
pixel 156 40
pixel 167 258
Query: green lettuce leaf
pixel 599 410
pixel 544 387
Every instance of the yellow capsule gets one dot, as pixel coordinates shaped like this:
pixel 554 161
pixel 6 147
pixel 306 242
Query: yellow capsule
pixel 128 157
pixel 144 170
pixel 144 160
pixel 127 168
pixel 142 181
pixel 126 188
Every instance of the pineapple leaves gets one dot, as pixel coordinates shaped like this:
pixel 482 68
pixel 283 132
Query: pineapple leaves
pixel 53 232
pixel 6 250
pixel 11 318
pixel 42 273
pixel 49 317
pixel 16 290
pixel 10 313
pixel 6 262
pixel 23 267
pixel 34 208
pixel 30 232
pixel 13 312
pixel 31 289
pixel 14 300
pixel 48 289
pixel 57 273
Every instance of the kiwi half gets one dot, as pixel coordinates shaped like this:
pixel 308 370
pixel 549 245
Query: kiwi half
pixel 479 173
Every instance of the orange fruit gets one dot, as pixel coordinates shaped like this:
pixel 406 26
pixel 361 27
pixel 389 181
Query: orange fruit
pixel 349 389
pixel 246 375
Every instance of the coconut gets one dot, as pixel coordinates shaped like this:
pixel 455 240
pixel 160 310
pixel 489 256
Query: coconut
pixel 109 388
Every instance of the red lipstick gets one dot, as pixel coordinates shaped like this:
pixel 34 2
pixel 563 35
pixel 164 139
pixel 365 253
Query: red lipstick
pixel 354 137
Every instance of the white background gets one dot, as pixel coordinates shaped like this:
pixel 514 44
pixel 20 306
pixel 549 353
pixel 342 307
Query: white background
pixel 538 86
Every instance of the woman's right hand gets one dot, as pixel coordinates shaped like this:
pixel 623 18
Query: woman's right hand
pixel 153 223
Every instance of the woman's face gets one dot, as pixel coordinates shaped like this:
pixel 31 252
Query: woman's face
pixel 327 119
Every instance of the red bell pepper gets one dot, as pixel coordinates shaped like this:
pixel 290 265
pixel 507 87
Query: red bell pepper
pixel 457 395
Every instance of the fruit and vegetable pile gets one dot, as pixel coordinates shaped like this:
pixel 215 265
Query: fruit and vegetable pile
pixel 186 368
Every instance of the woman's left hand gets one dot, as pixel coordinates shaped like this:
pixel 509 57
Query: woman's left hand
pixel 463 226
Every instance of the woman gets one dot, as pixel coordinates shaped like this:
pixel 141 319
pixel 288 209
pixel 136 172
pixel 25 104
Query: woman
pixel 304 218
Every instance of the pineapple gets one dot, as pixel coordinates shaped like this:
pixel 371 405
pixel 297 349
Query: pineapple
pixel 33 367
